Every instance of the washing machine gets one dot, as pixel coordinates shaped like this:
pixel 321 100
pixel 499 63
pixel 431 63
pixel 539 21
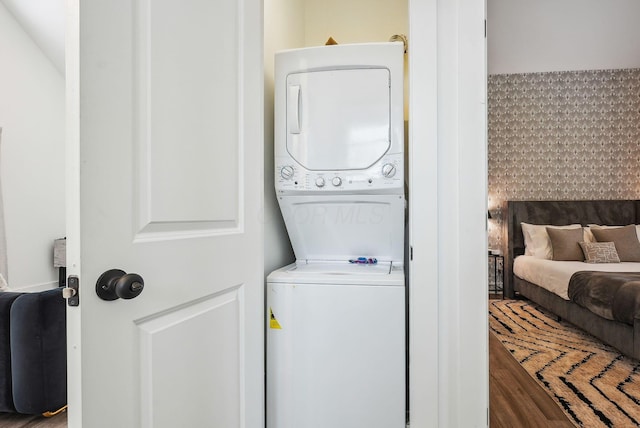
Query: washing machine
pixel 336 318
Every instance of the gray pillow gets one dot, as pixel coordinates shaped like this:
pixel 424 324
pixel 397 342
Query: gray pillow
pixel 566 244
pixel 625 238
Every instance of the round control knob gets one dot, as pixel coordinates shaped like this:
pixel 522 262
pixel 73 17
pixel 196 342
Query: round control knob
pixel 388 170
pixel 320 182
pixel 336 181
pixel 286 172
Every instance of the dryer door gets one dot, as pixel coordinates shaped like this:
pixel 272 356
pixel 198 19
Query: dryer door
pixel 338 119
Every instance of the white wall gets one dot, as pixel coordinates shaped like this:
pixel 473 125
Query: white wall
pixel 283 29
pixel 354 21
pixel 562 35
pixel 44 21
pixel 32 117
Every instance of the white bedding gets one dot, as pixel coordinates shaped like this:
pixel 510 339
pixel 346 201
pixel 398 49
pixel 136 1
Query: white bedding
pixel 554 275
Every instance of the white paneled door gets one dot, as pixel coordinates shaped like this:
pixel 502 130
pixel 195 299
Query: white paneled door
pixel 164 161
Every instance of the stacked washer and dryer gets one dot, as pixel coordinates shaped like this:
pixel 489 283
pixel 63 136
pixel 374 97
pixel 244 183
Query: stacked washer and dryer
pixel 336 354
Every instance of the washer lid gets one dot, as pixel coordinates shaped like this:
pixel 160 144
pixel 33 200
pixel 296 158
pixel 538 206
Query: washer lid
pixel 338 274
pixel 341 227
pixel 343 268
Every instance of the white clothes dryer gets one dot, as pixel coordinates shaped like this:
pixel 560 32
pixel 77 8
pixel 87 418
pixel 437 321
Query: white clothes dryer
pixel 339 119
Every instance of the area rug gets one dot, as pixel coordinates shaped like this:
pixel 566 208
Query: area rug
pixel 593 383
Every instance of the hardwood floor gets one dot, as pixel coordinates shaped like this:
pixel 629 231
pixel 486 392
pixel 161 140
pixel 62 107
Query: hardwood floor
pixel 515 399
pixel 16 420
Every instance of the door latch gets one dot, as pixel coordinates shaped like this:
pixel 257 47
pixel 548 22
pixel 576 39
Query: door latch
pixel 72 291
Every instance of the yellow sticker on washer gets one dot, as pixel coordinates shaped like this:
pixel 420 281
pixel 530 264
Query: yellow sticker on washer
pixel 273 322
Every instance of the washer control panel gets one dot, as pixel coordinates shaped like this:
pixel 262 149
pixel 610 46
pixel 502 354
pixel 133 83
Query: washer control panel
pixel 386 174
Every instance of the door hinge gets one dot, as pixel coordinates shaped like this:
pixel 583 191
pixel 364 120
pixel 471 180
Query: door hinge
pixel 411 252
pixel 72 291
pixel 485 28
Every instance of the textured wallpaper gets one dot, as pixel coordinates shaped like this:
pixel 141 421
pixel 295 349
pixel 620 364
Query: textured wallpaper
pixel 562 136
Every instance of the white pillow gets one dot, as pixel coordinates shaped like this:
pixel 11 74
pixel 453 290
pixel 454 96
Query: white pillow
pixel 536 239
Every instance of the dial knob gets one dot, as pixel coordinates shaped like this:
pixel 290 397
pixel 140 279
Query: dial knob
pixel 388 170
pixel 320 182
pixel 336 181
pixel 286 172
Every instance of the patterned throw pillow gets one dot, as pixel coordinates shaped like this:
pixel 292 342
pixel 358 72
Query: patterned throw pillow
pixel 600 252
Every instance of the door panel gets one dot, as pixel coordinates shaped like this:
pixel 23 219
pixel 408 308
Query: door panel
pixel 165 180
pixel 186 118
pixel 185 382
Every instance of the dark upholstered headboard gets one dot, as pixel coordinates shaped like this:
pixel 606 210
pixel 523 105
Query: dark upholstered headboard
pixel 612 212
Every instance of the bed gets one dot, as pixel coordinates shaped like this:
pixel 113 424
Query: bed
pixel 621 335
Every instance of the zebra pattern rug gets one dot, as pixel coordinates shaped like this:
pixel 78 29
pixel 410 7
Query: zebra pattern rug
pixel 593 383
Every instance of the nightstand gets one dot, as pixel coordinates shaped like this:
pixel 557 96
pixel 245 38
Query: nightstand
pixel 496 275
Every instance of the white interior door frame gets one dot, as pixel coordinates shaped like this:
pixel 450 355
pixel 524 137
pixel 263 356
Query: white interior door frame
pixel 423 214
pixel 447 214
pixel 72 178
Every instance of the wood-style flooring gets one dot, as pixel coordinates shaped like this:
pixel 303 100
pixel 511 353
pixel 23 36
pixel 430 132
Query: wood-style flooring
pixel 515 399
pixel 16 420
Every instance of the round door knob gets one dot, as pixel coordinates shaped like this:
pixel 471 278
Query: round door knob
pixel 320 182
pixel 336 181
pixel 286 172
pixel 388 170
pixel 117 284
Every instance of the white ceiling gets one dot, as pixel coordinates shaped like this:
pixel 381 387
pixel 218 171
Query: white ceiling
pixel 44 21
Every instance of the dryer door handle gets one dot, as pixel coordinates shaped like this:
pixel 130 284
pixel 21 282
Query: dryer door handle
pixel 293 109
